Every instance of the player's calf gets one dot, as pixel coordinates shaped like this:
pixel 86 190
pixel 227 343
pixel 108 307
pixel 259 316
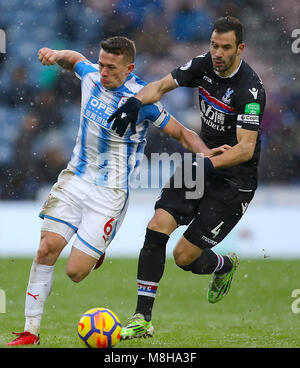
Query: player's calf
pixel 207 263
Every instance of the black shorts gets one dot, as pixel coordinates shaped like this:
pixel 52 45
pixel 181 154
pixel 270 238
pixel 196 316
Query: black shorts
pixel 210 218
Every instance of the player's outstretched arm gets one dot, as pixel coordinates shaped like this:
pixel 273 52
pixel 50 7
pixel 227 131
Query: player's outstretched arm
pixel 67 59
pixel 154 91
pixel 128 113
pixel 191 140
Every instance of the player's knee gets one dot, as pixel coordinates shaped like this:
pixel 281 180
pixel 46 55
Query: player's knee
pixel 154 225
pixel 185 256
pixel 49 249
pixel 75 275
pixel 183 261
pixel 181 258
pixel 162 222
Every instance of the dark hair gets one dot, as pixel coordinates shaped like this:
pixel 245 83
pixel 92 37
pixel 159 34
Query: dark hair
pixel 226 24
pixel 120 46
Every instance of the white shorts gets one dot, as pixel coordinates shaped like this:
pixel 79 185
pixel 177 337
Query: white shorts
pixel 95 213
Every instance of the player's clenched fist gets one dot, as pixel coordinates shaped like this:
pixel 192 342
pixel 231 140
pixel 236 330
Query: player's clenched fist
pixel 47 56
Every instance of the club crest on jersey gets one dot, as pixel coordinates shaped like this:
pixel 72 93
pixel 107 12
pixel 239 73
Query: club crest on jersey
pixel 226 98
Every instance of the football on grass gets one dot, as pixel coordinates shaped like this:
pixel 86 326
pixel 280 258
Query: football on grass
pixel 99 328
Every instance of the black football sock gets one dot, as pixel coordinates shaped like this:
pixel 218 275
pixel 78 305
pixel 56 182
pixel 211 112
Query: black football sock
pixel 209 262
pixel 150 270
pixel 225 267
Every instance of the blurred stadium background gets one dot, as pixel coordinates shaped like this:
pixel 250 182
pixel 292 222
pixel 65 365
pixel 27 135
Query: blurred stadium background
pixel 39 108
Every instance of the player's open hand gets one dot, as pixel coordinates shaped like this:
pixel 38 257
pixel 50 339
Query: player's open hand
pixel 217 151
pixel 125 115
pixel 47 56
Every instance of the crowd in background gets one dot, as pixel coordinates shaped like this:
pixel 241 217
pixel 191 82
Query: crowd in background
pixel 39 106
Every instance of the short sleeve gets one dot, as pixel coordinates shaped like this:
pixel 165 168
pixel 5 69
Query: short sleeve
pixel 250 113
pixel 84 67
pixel 188 75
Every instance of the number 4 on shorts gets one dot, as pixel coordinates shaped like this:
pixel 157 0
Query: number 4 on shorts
pixel 215 231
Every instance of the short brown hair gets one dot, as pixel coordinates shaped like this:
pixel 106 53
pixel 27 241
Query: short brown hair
pixel 226 24
pixel 120 45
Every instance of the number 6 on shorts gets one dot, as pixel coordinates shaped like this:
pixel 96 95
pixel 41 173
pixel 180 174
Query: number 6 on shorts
pixel 108 229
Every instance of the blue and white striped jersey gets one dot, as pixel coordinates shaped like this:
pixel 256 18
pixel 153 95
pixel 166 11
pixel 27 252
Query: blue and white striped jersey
pixel 100 156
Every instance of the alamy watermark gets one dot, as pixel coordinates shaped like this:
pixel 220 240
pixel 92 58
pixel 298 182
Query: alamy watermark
pixel 296 43
pixel 178 171
pixel 2 41
pixel 2 301
pixel 296 302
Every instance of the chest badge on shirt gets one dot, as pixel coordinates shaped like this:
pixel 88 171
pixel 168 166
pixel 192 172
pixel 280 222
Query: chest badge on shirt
pixel 227 97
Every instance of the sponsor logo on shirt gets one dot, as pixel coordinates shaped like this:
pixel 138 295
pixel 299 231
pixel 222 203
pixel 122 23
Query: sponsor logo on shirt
pixel 209 80
pixel 252 108
pixel 212 117
pixel 254 92
pixel 252 119
pixel 98 112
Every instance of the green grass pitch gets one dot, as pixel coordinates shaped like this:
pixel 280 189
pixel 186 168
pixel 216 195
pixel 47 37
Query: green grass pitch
pixel 257 313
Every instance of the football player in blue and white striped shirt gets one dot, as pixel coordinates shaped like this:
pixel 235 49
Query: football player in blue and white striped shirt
pixel 90 197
